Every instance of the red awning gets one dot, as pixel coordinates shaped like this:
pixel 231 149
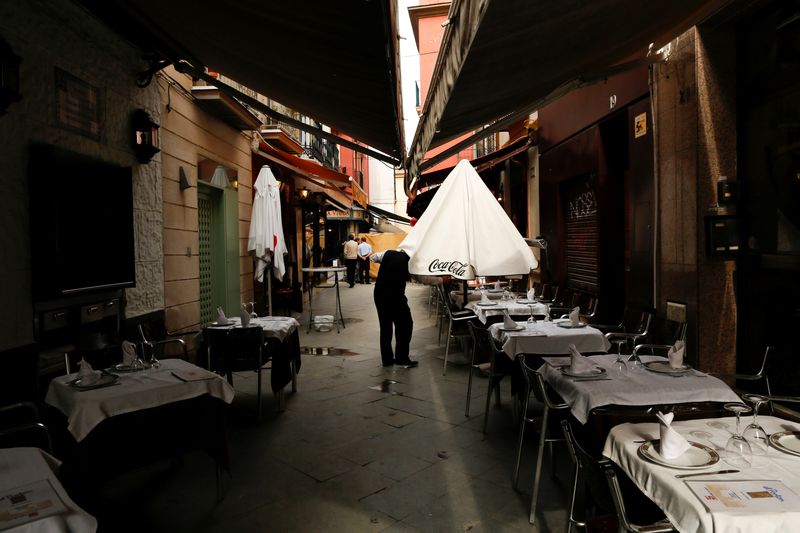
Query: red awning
pixel 303 166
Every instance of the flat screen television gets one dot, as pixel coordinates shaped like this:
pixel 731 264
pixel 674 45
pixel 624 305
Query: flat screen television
pixel 81 224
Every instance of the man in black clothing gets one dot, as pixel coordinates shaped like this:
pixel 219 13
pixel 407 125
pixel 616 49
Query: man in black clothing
pixel 393 311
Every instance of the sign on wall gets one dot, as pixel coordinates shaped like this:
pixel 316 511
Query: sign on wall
pixel 78 105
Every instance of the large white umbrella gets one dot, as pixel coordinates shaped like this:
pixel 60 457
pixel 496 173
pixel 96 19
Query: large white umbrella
pixel 465 233
pixel 266 241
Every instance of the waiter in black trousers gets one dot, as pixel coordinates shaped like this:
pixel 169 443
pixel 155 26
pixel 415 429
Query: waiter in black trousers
pixel 393 311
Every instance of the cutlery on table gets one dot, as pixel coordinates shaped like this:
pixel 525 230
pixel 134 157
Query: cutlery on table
pixel 681 476
pixel 591 379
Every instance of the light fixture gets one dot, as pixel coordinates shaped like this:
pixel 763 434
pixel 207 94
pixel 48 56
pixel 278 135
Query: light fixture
pixel 303 193
pixel 9 77
pixel 145 136
pixel 183 181
pixel 235 183
pixel 219 178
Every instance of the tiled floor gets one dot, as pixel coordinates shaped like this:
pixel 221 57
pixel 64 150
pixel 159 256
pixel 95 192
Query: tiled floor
pixel 346 456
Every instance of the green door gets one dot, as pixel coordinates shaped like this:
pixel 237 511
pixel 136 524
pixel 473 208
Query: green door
pixel 217 214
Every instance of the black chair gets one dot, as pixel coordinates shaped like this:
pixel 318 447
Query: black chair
pixel 20 426
pixel 245 349
pixel 160 342
pixel 595 479
pixel 500 366
pixel 662 334
pixel 635 326
pixel 481 354
pixel 762 374
pixel 544 425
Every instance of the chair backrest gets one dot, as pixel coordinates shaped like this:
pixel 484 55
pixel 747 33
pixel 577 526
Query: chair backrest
pixel 245 344
pixel 20 426
pixel 636 320
pixel 592 469
pixel 664 331
pixel 482 342
pixel 535 383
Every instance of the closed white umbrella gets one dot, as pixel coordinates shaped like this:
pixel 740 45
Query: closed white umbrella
pixel 465 233
pixel 266 241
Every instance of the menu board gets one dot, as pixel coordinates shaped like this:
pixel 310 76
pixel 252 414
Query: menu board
pixel 27 503
pixel 749 496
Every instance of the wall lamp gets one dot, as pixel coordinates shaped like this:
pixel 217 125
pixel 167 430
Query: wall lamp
pixel 183 181
pixel 303 193
pixel 9 77
pixel 145 136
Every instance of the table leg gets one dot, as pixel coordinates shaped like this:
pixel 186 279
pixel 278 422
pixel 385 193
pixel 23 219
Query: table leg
pixel 338 310
pixel 310 303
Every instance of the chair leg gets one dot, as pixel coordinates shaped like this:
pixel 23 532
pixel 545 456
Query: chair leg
pixel 258 397
pixel 447 348
pixel 488 403
pixel 575 481
pixel 469 383
pixel 281 401
pixel 522 422
pixel 552 460
pixel 497 394
pixel 293 366
pixel 539 456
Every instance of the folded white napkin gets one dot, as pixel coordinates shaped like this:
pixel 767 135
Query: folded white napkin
pixel 245 316
pixel 508 323
pixel 485 298
pixel 86 373
pixel 575 316
pixel 676 353
pixel 128 353
pixel 531 294
pixel 577 362
pixel 221 318
pixel 672 444
pixel 497 285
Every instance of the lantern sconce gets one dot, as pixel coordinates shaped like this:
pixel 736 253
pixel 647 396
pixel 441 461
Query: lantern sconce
pixel 9 77
pixel 145 136
pixel 303 193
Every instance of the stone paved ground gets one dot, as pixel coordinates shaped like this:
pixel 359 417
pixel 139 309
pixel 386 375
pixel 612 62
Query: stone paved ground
pixel 346 456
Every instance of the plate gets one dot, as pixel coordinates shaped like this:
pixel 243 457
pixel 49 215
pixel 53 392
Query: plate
pixel 103 381
pixel 596 371
pixel 662 367
pixel 486 304
pixel 125 368
pixel 218 325
pixel 495 291
pixel 786 441
pixel 515 328
pixel 570 325
pixel 696 457
pixel 526 302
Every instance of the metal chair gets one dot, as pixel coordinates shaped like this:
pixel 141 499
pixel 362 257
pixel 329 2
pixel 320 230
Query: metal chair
pixel 762 374
pixel 246 349
pixel 457 328
pixel 156 339
pixel 534 383
pixel 635 327
pixel 625 523
pixel 20 426
pixel 479 347
pixel 664 334
pixel 500 366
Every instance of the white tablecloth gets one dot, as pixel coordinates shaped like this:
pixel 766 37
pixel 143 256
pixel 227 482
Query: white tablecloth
pixel 679 503
pixel 512 307
pixel 548 338
pixel 134 391
pixel 647 388
pixel 278 327
pixel 473 296
pixel 22 466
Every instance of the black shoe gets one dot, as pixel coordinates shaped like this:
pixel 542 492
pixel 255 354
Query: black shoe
pixel 388 364
pixel 408 364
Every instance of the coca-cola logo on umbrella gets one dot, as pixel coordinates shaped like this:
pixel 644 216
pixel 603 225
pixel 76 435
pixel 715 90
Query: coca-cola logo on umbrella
pixel 455 268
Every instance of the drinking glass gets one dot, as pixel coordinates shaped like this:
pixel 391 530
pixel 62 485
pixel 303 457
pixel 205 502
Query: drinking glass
pixel 636 364
pixel 754 433
pixel 620 367
pixel 738 452
pixel 253 310
pixel 531 320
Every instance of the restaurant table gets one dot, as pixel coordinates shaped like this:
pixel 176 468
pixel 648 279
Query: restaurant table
pixel 146 416
pixel 635 389
pixel 545 337
pixel 474 295
pixel 20 467
pixel 500 307
pixel 283 343
pixel 337 311
pixel 683 508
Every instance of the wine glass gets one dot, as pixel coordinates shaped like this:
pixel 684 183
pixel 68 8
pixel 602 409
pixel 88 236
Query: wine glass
pixel 636 364
pixel 253 310
pixel 738 452
pixel 531 319
pixel 754 433
pixel 620 367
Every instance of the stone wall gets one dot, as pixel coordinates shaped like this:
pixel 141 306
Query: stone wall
pixel 696 141
pixel 57 33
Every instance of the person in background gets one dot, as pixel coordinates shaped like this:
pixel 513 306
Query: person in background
pixel 364 253
pixel 350 259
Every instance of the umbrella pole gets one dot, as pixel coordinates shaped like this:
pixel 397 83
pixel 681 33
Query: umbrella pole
pixel 464 282
pixel 269 290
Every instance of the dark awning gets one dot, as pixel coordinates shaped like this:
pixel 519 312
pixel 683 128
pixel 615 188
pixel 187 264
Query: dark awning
pixel 501 60
pixel 387 214
pixel 333 61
